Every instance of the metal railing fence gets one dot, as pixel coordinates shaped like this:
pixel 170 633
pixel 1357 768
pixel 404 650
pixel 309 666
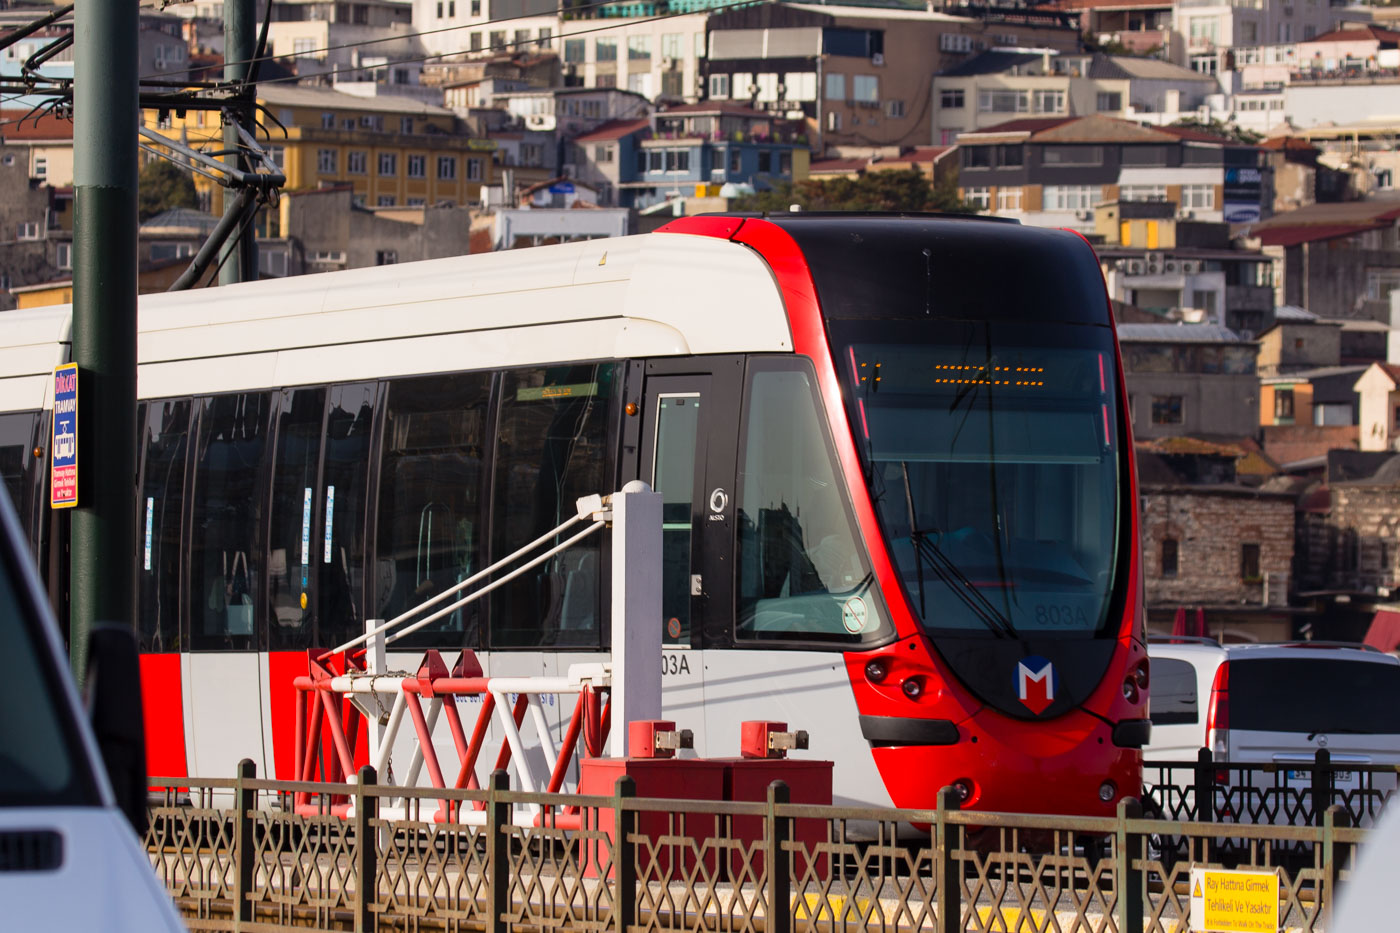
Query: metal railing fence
pixel 235 854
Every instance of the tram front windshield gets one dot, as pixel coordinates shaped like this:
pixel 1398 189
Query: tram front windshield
pixel 992 457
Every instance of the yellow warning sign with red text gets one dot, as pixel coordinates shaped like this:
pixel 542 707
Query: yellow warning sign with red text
pixel 1234 901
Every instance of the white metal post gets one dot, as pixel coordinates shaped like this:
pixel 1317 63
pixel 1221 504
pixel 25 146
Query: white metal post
pixel 376 663
pixel 636 610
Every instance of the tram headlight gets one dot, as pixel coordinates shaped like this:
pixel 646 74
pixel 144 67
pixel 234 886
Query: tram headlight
pixel 875 671
pixel 1130 689
pixel 962 787
pixel 1140 675
pixel 1107 791
pixel 913 688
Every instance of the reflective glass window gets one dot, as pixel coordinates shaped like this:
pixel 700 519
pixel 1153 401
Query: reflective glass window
pixel 430 495
pixel 164 447
pixel 226 509
pixel 18 466
pixel 553 448
pixel 345 489
pixel 802 572
pixel 677 428
pixel 292 518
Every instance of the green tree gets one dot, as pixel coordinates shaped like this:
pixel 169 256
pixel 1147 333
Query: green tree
pixel 163 185
pixel 892 190
pixel 1226 130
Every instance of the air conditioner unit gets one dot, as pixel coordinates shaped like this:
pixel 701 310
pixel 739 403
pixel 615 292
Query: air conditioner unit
pixel 1135 267
pixel 1187 215
pixel 1170 265
pixel 878 59
pixel 667 64
pixel 1191 266
pixel 160 64
pixel 1084 215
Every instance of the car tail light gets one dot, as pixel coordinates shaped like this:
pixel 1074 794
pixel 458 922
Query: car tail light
pixel 1218 719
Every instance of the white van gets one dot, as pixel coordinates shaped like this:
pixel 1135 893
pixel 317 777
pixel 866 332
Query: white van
pixel 1276 704
pixel 69 858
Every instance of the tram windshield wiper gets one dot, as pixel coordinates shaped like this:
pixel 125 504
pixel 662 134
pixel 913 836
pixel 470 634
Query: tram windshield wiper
pixel 948 573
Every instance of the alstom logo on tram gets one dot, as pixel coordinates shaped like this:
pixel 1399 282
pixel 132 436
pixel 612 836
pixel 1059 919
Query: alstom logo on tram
pixel 899 503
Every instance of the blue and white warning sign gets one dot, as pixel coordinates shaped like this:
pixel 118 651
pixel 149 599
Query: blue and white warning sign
pixel 63 452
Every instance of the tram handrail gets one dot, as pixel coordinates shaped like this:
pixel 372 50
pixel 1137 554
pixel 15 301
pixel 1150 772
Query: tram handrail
pixel 594 506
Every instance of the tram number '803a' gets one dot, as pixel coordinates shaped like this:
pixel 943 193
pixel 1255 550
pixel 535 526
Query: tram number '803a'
pixel 675 664
pixel 1052 616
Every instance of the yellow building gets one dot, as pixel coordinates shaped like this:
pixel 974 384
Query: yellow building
pixel 393 151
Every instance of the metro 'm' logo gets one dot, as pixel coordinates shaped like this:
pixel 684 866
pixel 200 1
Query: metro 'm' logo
pixel 1035 683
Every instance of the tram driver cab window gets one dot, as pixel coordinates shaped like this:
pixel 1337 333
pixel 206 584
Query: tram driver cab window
pixel 803 574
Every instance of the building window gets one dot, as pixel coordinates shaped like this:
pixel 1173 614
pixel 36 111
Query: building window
pixel 605 81
pixel 1197 197
pixel 417 166
pixel 543 35
pixel 41 167
pixel 638 47
pixel 605 50
pixel 474 170
pixel 833 121
pixel 31 230
pixel 1283 406
pixel 327 121
pixel 981 198
pixel 603 153
pixel 865 88
pixel 327 161
pixel 1072 155
pixel 1166 409
pixel 671 45
pixel 672 84
pixel 356 161
pixel 1048 101
pixel 1008 199
pixel 894 108
pixel 476 42
pixel 415 202
pixel 1142 193
pixel 1002 100
pixel 835 87
pixel 388 163
pixel 1110 101
pixel 574 51
pixel 978 156
pixel 1170 556
pixel 952 98
pixel 64 256
pixel 406 125
pixel 447 168
pixel 1249 563
pixel 386 200
pixel 522 38
pixel 385 257
pixel 476 7
pixel 1069 197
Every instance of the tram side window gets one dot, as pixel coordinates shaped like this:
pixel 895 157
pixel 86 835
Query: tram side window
pixel 295 495
pixel 802 572
pixel 553 448
pixel 430 500
pixel 18 465
pixel 165 432
pixel 225 515
pixel 345 482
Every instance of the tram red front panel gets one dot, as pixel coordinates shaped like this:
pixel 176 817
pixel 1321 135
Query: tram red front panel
pixel 163 714
pixel 1061 762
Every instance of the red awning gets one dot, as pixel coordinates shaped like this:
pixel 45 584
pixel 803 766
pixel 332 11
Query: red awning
pixel 1384 633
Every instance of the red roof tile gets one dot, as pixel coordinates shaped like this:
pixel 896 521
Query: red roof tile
pixel 1311 233
pixel 1028 125
pixel 1367 33
pixel 825 166
pixel 614 129
pixel 18 125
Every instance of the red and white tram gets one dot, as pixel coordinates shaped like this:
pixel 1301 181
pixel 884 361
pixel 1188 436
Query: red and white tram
pixel 896 468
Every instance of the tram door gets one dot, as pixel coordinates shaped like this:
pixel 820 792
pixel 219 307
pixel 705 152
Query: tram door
pixel 687 452
pixel 315 550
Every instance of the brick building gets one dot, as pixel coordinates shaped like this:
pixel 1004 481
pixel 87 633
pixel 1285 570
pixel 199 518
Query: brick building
pixel 1221 546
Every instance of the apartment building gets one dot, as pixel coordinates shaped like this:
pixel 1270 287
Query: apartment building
pixel 1001 84
pixel 859 76
pixel 1053 171
pixel 391 151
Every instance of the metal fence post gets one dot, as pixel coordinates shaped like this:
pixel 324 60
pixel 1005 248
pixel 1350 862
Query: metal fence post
pixel 1127 869
pixel 624 855
pixel 1335 818
pixel 498 817
pixel 244 801
pixel 366 851
pixel 779 831
pixel 1321 785
pixel 1205 787
pixel 949 867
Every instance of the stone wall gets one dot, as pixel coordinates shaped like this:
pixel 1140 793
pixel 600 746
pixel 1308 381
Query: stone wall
pixel 1365 536
pixel 1211 525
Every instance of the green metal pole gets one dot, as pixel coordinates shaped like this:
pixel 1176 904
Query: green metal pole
pixel 240 44
pixel 105 120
